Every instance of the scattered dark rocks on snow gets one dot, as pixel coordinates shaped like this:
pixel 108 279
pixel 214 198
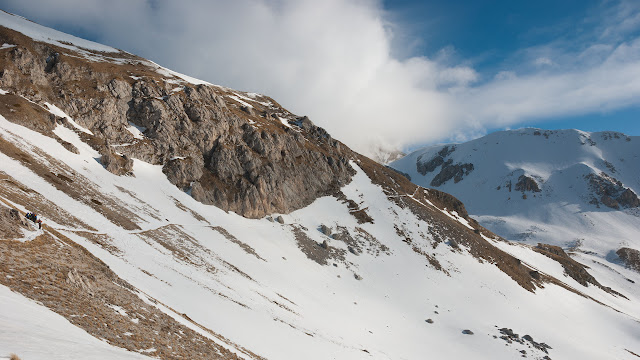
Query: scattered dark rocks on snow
pixel 314 250
pixel 510 337
pixel 467 332
pixel 430 321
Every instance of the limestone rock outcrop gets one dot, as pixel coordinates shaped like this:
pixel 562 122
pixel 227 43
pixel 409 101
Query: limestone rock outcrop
pixel 241 152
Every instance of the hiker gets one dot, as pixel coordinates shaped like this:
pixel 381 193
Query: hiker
pixel 39 224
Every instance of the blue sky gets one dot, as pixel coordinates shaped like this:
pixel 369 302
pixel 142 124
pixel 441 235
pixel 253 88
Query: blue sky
pixel 395 74
pixel 491 29
pixel 490 34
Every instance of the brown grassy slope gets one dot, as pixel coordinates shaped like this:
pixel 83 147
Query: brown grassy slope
pixel 66 278
pixel 71 183
pixel 33 201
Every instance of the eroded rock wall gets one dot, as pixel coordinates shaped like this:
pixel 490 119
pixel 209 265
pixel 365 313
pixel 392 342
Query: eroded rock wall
pixel 254 159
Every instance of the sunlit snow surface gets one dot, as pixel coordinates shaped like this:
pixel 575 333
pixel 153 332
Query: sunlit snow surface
pixel 289 307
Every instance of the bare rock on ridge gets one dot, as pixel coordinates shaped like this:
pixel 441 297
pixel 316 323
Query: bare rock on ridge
pixel 630 257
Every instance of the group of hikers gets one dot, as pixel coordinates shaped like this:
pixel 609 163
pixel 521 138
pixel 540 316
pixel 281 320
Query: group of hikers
pixel 33 217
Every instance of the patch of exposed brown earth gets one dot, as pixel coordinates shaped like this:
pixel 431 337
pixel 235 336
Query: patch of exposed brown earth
pixel 360 214
pixel 181 246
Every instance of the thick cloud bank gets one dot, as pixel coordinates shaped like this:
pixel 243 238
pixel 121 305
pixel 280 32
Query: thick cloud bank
pixel 332 60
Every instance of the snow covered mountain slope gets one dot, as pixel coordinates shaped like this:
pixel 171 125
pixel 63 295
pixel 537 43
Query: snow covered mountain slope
pixel 140 251
pixel 568 188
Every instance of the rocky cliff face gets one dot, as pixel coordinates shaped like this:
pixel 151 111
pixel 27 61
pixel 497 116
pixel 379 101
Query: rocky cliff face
pixel 241 152
pixel 611 192
pixel 448 170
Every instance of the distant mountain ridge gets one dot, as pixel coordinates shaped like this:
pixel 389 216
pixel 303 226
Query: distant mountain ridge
pixel 569 188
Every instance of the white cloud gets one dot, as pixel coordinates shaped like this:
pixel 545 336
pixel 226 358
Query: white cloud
pixel 543 61
pixel 332 60
pixel 607 82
